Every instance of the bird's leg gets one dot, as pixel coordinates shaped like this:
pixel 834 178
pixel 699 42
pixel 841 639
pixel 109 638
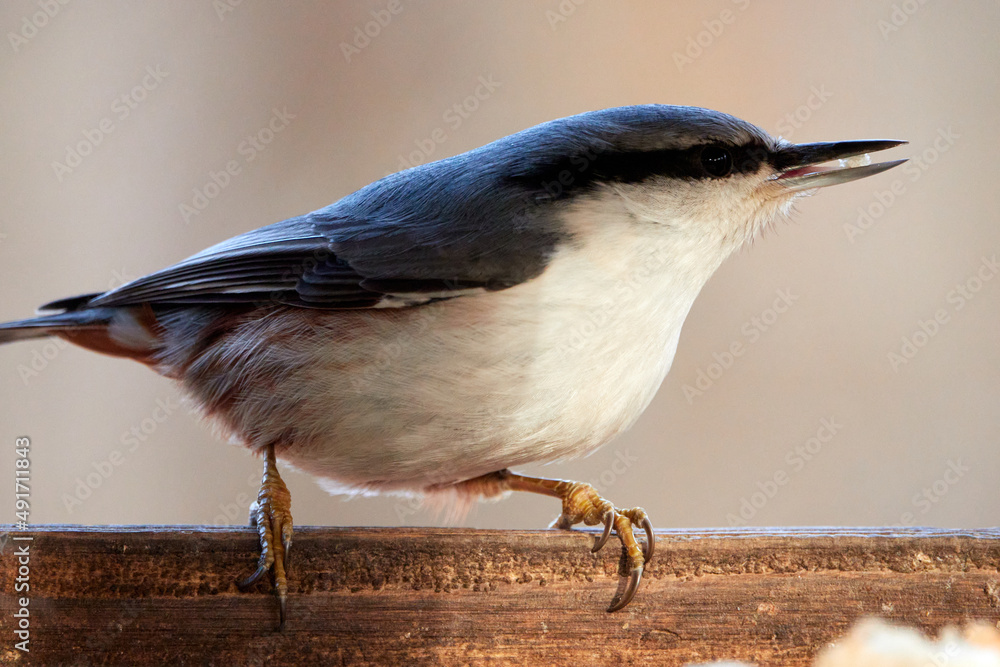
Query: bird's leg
pixel 582 504
pixel 271 514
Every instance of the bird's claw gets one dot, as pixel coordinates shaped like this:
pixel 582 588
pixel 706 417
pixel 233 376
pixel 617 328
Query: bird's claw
pixel 246 583
pixel 609 520
pixel 581 503
pixel 647 551
pixel 626 589
pixel 271 515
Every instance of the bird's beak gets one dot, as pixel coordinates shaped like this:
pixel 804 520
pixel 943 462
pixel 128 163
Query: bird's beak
pixel 800 166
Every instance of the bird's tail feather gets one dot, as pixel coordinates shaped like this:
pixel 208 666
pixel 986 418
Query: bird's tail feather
pixel 130 332
pixel 50 325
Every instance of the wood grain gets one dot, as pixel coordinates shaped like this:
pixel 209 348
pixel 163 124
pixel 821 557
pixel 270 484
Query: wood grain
pixel 165 595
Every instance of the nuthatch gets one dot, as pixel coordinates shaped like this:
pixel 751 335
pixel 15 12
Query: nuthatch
pixel 519 303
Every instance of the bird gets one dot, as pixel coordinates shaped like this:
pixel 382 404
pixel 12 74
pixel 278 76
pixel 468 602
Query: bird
pixel 518 303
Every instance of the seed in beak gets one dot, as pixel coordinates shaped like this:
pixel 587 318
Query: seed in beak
pixel 862 160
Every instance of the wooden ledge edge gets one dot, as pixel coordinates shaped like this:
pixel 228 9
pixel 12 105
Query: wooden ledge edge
pixel 750 532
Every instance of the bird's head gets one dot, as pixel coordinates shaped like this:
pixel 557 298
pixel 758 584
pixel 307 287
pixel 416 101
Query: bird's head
pixel 701 174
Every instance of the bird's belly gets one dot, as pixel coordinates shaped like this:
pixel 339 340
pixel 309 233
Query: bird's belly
pixel 413 397
pixel 431 402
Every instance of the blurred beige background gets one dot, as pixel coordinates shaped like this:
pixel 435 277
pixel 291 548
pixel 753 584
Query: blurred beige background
pixel 115 115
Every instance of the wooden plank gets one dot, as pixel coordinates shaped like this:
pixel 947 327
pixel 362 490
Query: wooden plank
pixel 165 595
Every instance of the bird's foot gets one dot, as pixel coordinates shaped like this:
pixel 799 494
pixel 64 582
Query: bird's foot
pixel 582 504
pixel 272 516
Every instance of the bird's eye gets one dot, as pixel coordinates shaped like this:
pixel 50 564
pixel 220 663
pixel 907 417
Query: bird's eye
pixel 717 161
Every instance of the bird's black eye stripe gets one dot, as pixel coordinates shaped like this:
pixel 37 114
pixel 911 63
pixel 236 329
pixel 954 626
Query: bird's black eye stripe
pixel 719 161
pixel 564 176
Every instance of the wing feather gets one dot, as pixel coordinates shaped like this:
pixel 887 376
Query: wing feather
pixel 441 230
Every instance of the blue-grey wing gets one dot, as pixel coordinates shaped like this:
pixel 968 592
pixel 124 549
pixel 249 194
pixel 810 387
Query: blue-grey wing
pixel 424 234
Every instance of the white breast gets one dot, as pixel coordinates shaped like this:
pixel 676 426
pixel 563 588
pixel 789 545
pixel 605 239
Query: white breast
pixel 407 398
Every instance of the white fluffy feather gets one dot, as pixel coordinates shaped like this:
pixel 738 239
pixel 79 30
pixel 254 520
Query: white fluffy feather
pixel 406 399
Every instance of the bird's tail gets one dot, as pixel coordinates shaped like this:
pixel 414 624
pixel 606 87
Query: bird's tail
pixel 51 325
pixel 119 331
